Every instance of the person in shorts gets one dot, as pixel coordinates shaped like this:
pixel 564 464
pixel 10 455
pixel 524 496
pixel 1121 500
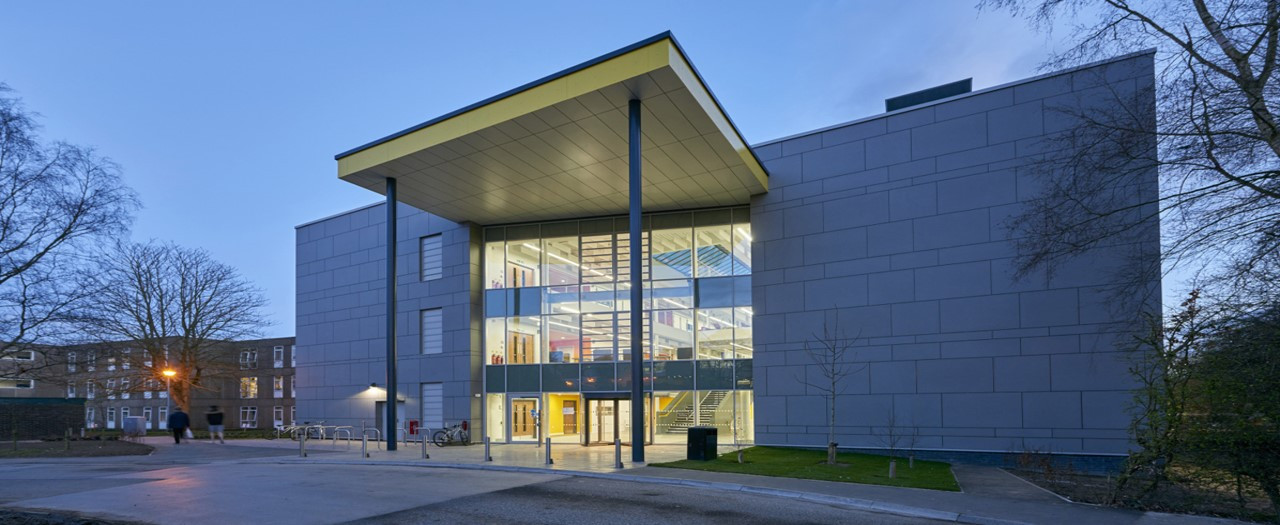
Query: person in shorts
pixel 214 418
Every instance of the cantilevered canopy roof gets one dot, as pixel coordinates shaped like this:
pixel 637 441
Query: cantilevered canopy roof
pixel 557 147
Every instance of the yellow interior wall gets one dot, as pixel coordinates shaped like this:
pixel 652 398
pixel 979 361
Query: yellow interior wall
pixel 555 412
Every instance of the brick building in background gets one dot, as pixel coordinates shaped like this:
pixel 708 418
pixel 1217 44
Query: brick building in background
pixel 254 384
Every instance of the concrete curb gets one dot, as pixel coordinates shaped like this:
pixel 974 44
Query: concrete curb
pixel 854 503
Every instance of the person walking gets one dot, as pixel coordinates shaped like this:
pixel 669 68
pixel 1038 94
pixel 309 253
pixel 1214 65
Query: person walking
pixel 214 417
pixel 178 423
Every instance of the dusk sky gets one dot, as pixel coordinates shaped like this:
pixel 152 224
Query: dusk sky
pixel 226 116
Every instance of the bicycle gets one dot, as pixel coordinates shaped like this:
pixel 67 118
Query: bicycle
pixel 454 434
pixel 315 431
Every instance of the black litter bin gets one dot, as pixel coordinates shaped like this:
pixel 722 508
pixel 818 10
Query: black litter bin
pixel 702 443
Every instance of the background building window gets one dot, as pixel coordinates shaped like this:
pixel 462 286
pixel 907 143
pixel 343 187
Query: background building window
pixel 71 390
pixel 277 416
pixel 89 390
pixel 277 387
pixel 21 355
pixel 111 417
pixel 248 388
pixel 111 389
pixel 248 359
pixel 277 355
pixel 88 417
pixel 71 361
pixel 432 331
pixel 248 417
pixel 432 257
pixel 146 414
pixel 293 355
pixel 17 384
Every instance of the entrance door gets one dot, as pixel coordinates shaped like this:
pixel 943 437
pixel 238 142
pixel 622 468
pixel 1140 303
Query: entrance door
pixel 521 348
pixel 523 423
pixel 520 276
pixel 609 419
pixel 602 418
pixel 570 417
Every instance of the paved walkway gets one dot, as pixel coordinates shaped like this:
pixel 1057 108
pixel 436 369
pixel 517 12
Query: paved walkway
pixel 990 495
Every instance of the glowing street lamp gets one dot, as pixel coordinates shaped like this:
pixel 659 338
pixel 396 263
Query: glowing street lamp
pixel 168 386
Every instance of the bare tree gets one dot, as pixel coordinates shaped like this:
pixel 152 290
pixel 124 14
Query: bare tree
pixel 833 353
pixel 1214 139
pixel 170 307
pixel 57 201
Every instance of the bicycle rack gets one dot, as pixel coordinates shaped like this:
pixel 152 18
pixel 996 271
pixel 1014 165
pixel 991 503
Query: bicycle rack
pixel 342 430
pixel 377 436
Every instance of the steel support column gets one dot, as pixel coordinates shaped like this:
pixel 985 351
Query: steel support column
pixel 390 417
pixel 637 288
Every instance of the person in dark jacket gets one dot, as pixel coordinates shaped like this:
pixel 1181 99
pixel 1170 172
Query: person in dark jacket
pixel 214 418
pixel 178 423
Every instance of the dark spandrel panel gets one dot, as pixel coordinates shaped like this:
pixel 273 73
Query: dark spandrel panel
pixel 526 302
pixel 623 224
pixel 523 378
pixel 714 292
pixel 495 378
pixel 523 232
pixel 742 215
pixel 713 217
pixel 673 375
pixel 559 378
pixel 715 375
pixel 595 226
pixel 495 303
pixel 742 291
pixel 743 376
pixel 560 229
pixel 672 220
pixel 624 377
pixel 598 377
pixel 495 234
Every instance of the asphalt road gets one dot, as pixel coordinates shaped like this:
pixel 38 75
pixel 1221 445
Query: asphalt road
pixel 584 500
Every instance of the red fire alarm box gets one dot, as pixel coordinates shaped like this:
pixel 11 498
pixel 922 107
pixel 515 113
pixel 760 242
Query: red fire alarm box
pixel 413 427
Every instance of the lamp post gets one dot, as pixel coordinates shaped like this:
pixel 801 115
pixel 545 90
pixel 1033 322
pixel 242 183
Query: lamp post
pixel 168 387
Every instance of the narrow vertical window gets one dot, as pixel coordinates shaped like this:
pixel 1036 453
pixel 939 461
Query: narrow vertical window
pixel 432 331
pixel 432 257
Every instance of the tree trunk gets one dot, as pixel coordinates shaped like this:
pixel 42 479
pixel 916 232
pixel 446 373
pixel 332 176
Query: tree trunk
pixel 831 452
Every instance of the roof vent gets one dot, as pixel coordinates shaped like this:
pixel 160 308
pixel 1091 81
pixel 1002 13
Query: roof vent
pixel 928 95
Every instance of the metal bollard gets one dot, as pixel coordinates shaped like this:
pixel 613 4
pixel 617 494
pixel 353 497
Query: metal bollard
pixel 364 445
pixel 487 457
pixel 617 453
pixel 549 461
pixel 302 445
pixel 425 455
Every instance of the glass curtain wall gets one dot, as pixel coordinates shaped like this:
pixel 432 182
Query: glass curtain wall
pixel 557 320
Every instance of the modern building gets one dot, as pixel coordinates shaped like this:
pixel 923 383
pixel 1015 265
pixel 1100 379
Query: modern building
pixel 251 381
pixel 529 229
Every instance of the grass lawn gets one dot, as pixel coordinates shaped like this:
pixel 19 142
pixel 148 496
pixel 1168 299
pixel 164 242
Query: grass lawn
pixel 79 449
pixel 810 464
